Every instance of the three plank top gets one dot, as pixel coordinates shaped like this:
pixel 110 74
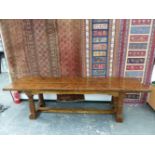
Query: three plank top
pixel 77 84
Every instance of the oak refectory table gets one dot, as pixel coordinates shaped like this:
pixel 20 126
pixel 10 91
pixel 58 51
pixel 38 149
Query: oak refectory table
pixel 117 87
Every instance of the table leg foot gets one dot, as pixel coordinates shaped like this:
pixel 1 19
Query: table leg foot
pixel 119 119
pixel 32 116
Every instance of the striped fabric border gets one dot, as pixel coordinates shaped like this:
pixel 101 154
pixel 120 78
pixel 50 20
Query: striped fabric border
pixel 111 42
pixel 87 48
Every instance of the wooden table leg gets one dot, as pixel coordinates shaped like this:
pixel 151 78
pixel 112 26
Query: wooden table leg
pixel 41 100
pixel 33 113
pixel 114 102
pixel 119 107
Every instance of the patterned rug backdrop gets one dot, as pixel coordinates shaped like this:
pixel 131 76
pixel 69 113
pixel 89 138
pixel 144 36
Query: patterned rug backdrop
pixel 122 48
pixel 31 47
pixel 97 48
pixel 70 42
pixel 50 48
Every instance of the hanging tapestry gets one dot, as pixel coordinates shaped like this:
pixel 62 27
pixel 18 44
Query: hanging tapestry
pixel 31 47
pixel 138 53
pixel 121 48
pixel 70 39
pixel 99 34
pixel 49 48
pixel 99 47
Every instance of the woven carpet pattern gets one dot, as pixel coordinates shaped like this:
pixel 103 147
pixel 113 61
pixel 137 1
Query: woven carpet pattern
pixel 69 34
pixel 31 47
pixel 70 48
pixel 122 48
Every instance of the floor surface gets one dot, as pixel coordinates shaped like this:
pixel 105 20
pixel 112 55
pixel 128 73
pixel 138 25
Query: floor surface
pixel 138 119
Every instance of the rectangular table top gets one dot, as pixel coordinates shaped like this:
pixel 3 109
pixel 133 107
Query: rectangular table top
pixel 77 84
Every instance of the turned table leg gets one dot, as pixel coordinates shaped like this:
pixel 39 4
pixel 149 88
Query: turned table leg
pixel 119 107
pixel 33 113
pixel 41 100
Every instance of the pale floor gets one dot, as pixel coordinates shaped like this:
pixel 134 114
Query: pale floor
pixel 138 119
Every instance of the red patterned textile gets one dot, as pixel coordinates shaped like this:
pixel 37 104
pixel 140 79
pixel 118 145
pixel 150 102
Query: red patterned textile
pixel 44 48
pixel 69 36
pixel 70 49
pixel 31 47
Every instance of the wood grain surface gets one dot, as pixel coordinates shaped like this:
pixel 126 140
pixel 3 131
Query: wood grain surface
pixel 78 84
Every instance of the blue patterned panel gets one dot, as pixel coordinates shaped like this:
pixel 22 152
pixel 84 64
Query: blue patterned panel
pixel 138 46
pixel 99 20
pixel 134 74
pixel 99 60
pixel 99 72
pixel 100 32
pixel 140 30
pixel 100 39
